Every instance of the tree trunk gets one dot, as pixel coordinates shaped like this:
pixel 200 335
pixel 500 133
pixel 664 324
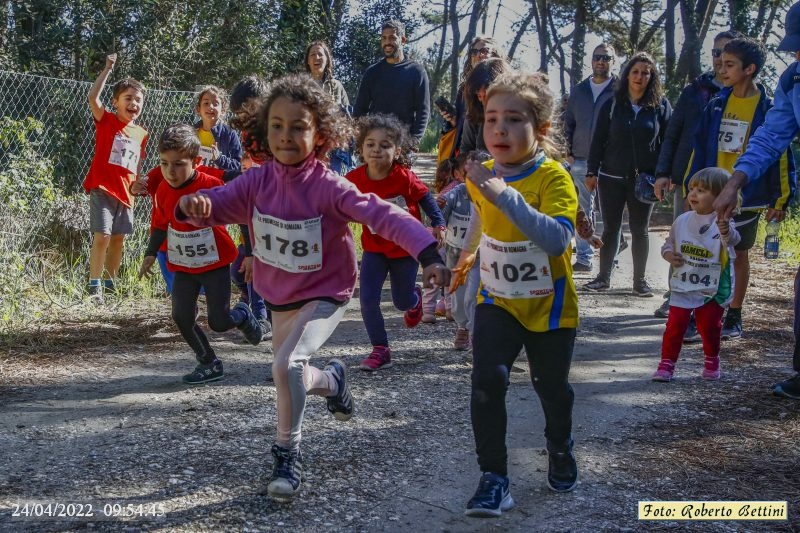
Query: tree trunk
pixel 456 49
pixel 578 42
pixel 669 44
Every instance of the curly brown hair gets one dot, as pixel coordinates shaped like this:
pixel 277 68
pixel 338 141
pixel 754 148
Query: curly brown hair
pixel 481 76
pixel 328 73
pixel 333 127
pixel 396 130
pixel 534 90
pixel 653 93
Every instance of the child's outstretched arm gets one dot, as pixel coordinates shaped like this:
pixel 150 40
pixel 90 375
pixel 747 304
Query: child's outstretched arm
pixel 94 93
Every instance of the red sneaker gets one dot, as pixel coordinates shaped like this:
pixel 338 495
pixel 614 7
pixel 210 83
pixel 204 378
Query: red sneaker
pixel 414 315
pixel 381 357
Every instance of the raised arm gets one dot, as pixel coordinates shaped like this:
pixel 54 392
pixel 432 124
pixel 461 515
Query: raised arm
pixel 97 87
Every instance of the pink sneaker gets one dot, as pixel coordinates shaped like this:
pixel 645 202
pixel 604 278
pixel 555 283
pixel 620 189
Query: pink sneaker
pixel 441 308
pixel 461 342
pixel 710 369
pixel 414 315
pixel 381 357
pixel 664 371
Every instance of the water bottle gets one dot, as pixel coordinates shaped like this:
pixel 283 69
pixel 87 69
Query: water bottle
pixel 772 241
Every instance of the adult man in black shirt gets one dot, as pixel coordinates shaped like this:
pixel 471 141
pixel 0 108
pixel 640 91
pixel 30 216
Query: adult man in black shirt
pixel 395 85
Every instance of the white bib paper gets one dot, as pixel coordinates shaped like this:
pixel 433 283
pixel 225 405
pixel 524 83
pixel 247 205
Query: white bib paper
pixel 698 277
pixel 515 269
pixel 125 153
pixel 457 230
pixel 732 134
pixel 294 246
pixel 399 201
pixel 192 249
pixel 207 154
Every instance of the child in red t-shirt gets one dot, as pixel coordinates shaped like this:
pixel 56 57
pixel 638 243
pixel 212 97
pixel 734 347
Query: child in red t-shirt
pixel 118 153
pixel 383 144
pixel 199 257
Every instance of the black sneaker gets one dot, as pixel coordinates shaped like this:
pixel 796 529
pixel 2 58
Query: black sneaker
pixel 287 474
pixel 205 373
pixel 732 327
pixel 491 498
pixel 642 289
pixel 597 284
pixel 663 310
pixel 109 287
pixel 581 267
pixel 340 404
pixel 250 327
pixel 562 471
pixel 692 335
pixel 789 388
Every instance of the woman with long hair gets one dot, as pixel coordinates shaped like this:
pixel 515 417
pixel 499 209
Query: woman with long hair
pixel 626 141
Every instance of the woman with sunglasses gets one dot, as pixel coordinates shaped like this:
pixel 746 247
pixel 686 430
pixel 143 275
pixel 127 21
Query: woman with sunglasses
pixel 480 48
pixel 626 141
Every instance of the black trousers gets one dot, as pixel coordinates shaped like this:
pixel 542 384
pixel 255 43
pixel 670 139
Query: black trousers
pixel 614 195
pixel 185 290
pixel 497 341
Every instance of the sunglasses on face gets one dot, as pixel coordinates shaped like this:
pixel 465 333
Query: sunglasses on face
pixel 716 52
pixel 480 51
pixel 602 57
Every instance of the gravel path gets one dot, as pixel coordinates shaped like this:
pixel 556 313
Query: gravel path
pixel 94 413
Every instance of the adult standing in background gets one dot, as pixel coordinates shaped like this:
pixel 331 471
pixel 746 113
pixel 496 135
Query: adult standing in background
pixel 475 86
pixel 676 150
pixel 319 63
pixel 396 85
pixel 627 138
pixel 480 48
pixel 580 118
pixel 764 148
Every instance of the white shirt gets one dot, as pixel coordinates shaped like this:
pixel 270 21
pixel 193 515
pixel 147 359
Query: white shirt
pixel 598 88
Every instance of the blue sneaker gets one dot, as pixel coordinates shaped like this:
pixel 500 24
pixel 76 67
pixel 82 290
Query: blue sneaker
pixel 491 498
pixel 251 328
pixel 340 404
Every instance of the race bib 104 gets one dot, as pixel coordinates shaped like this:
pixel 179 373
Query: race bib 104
pixel 515 270
pixel 291 245
pixel 125 153
pixel 192 249
pixel 694 276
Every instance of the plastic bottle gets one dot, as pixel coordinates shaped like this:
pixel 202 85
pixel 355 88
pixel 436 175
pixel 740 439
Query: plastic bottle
pixel 772 241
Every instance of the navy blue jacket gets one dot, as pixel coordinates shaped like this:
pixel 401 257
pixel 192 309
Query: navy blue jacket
pixel 229 145
pixel 676 150
pixel 775 188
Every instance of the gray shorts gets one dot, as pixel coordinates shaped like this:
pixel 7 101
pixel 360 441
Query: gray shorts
pixel 108 215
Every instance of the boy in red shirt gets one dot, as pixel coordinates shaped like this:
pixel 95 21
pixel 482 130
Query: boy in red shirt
pixel 118 150
pixel 199 257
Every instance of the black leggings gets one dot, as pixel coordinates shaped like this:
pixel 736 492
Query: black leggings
pixel 498 338
pixel 185 290
pixel 614 193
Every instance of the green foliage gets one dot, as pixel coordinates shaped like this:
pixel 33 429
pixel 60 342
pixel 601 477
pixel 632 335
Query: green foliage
pixel 25 176
pixel 430 139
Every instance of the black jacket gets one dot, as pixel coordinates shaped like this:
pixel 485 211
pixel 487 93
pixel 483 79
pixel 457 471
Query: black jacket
pixel 679 138
pixel 615 138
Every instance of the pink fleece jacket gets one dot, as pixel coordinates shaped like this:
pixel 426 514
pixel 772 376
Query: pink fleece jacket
pixel 306 192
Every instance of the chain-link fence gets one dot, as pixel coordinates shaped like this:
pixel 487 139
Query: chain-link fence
pixel 46 147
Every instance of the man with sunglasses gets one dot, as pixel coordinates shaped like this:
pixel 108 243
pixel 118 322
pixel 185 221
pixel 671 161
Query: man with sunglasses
pixel 673 160
pixel 580 118
pixel 764 148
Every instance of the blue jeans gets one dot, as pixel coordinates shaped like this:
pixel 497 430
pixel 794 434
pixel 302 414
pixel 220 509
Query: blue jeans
pixel 169 277
pixel 402 273
pixel 586 201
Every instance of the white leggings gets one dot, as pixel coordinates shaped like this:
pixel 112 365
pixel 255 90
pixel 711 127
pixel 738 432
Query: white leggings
pixel 296 335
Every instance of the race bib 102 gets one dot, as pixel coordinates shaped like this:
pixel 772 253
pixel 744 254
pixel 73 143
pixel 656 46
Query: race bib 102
pixel 515 270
